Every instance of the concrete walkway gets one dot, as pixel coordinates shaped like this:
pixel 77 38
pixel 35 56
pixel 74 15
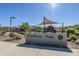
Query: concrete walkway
pixel 13 49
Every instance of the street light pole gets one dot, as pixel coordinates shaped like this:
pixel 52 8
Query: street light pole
pixel 11 24
pixel 62 27
pixel 1 29
pixel 44 23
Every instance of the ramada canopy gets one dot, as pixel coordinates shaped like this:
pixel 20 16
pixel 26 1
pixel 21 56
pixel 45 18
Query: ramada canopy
pixel 46 21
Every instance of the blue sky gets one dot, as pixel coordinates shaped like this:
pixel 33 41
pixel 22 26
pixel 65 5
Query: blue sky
pixel 33 13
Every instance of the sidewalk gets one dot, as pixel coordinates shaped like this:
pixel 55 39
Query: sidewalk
pixel 12 49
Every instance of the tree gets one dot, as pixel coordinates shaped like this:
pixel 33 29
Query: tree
pixel 39 29
pixel 77 27
pixel 36 28
pixel 25 26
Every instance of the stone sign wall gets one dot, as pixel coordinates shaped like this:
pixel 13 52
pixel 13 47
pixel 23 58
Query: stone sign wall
pixel 47 38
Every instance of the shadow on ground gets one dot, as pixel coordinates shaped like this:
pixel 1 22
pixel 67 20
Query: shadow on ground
pixel 45 47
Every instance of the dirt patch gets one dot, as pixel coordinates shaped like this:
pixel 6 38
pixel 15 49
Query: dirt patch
pixel 72 45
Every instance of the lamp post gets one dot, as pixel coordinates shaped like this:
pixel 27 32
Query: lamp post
pixel 1 29
pixel 11 24
pixel 62 27
pixel 44 23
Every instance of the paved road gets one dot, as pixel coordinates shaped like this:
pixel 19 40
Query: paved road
pixel 12 49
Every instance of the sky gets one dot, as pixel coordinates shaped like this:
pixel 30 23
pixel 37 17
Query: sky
pixel 33 13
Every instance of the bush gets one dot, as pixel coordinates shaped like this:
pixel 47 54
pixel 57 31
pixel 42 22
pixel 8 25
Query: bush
pixel 21 33
pixel 0 34
pixel 18 37
pixel 72 37
pixel 70 31
pixel 3 33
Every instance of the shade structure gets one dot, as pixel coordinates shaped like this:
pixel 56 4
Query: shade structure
pixel 46 21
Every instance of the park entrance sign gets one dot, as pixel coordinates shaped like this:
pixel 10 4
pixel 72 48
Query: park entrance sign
pixel 58 39
pixel 47 37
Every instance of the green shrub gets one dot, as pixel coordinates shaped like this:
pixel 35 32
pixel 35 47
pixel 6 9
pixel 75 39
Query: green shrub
pixel 73 37
pixel 18 37
pixel 21 33
pixel 70 31
pixel 0 34
pixel 3 33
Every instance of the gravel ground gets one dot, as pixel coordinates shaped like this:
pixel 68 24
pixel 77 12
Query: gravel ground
pixel 72 45
pixel 8 39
